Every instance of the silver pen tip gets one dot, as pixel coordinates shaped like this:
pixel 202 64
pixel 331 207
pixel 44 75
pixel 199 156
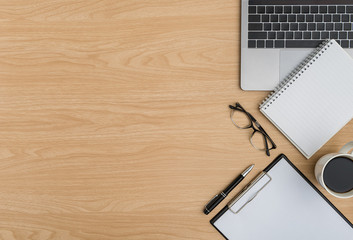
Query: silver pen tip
pixel 247 170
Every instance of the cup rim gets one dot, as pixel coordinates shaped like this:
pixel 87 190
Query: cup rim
pixel 336 194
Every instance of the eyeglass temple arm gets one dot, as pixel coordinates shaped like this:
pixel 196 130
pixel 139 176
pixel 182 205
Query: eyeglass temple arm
pixel 266 146
pixel 269 138
pixel 264 132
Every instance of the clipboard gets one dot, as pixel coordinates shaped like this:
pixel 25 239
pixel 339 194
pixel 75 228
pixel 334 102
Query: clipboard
pixel 281 203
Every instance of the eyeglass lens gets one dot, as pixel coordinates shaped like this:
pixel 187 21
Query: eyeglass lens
pixel 258 140
pixel 240 119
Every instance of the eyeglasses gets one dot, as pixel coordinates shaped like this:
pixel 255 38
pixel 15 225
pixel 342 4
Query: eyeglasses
pixel 259 139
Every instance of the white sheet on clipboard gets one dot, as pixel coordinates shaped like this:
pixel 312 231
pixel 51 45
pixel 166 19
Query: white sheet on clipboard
pixel 286 208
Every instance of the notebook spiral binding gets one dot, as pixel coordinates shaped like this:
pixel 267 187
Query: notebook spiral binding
pixel 297 72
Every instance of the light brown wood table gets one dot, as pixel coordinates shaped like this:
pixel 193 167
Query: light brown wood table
pixel 114 121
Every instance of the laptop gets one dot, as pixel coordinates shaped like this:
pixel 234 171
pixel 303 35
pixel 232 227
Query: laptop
pixel 276 35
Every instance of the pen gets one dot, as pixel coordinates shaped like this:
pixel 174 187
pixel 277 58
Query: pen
pixel 219 197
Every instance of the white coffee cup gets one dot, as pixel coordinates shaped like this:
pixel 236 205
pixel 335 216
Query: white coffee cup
pixel 345 152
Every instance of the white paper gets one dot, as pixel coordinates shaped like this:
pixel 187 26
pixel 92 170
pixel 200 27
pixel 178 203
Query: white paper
pixel 287 208
pixel 318 104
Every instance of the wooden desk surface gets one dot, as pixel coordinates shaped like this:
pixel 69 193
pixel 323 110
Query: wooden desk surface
pixel 114 120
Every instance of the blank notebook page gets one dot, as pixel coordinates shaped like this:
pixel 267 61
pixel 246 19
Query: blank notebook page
pixel 316 102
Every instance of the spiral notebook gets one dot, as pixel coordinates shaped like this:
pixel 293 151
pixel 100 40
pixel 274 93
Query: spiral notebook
pixel 316 100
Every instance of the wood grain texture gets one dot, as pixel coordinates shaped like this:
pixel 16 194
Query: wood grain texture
pixel 114 120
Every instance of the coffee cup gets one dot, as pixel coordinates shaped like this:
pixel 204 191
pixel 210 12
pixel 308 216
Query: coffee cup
pixel 334 172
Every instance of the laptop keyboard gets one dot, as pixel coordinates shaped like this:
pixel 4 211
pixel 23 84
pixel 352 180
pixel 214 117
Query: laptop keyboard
pixel 298 26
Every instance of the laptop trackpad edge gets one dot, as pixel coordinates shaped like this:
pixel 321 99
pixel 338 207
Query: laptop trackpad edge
pixel 290 59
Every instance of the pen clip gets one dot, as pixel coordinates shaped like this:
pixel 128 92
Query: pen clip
pixel 253 185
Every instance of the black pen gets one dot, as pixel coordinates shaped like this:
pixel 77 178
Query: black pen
pixel 219 197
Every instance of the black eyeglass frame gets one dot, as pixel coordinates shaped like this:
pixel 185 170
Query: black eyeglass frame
pixel 259 129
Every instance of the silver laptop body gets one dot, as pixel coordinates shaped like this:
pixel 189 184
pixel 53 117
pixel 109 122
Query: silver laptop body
pixel 263 68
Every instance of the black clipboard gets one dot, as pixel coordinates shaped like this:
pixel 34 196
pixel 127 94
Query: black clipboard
pixel 228 208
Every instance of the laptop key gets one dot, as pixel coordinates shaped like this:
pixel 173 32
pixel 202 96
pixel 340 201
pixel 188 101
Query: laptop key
pixel 331 9
pixel 329 26
pixel 296 9
pixel 347 26
pixel 271 35
pixel 349 9
pixel 345 18
pixel 287 9
pixel 278 9
pixel 325 35
pixel 300 18
pixel 267 26
pixel 302 43
pixel 314 9
pixel 345 43
pixel 292 18
pixel 254 18
pixel 338 41
pixel 255 26
pixel 274 18
pixel 279 44
pixel 336 18
pixel 327 18
pixel 309 18
pixel 334 35
pixel 351 43
pixel 338 26
pixel 303 26
pixel 270 9
pixel 289 35
pixel 312 26
pixel 276 26
pixel 280 35
pixel 318 18
pixel 320 26
pixel 285 26
pixel 265 18
pixel 350 35
pixel 305 9
pixel 283 18
pixel 342 35
pixel 298 35
pixel 269 44
pixel 252 44
pixel 252 9
pixel 293 26
pixel 323 9
pixel 261 9
pixel 315 35
pixel 257 35
pixel 307 35
pixel 260 44
pixel 341 9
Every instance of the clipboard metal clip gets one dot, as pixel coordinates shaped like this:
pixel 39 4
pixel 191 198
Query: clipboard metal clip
pixel 249 192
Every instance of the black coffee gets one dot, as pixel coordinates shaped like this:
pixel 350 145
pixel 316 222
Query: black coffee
pixel 338 175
